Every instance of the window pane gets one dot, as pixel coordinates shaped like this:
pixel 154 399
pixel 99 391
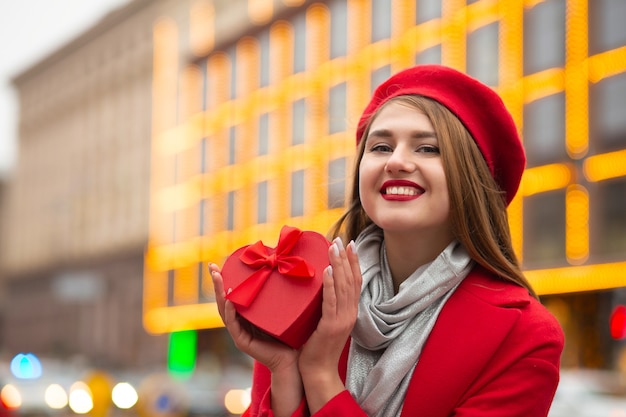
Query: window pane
pixel 299 43
pixel 336 183
pixel 544 130
pixel 232 145
pixel 426 10
pixel 608 109
pixel 264 46
pixel 204 83
pixel 482 54
pixel 381 19
pixel 202 213
pixel 609 240
pixel 544 230
pixel 544 36
pixel 379 76
pixel 297 193
pixel 337 109
pixel 232 57
pixel 298 122
pixel 431 55
pixel 262 202
pixel 230 221
pixel 203 155
pixel 264 134
pixel 606 25
pixel 338 28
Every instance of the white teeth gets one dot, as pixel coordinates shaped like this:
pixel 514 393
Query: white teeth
pixel 401 191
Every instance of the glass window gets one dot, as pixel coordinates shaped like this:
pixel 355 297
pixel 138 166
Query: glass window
pixel 426 10
pixel 336 183
pixel 297 193
pixel 299 43
pixel 431 55
pixel 606 25
pixel 544 230
pixel 264 134
pixel 171 277
pixel 338 28
pixel 544 36
pixel 607 119
pixel 544 130
pixel 381 20
pixel 482 54
pixel 203 155
pixel 264 46
pixel 204 82
pixel 262 202
pixel 205 285
pixel 230 215
pixel 337 109
pixel 232 145
pixel 202 216
pixel 379 76
pixel 298 122
pixel 609 239
pixel 232 58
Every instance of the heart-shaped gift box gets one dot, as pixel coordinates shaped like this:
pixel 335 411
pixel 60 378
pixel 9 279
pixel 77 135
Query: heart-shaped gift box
pixel 279 290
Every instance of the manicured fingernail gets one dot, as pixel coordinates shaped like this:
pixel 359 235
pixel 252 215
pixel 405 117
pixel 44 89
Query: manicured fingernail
pixel 335 248
pixel 338 242
pixel 352 246
pixel 329 270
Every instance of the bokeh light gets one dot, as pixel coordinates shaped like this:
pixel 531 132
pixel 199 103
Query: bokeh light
pixel 11 397
pixel 26 366
pixel 80 400
pixel 617 323
pixel 124 395
pixel 237 400
pixel 55 396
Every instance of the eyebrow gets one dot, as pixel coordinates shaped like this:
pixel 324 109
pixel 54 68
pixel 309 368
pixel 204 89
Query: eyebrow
pixel 386 133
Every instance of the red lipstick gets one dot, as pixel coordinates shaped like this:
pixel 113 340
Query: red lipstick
pixel 400 190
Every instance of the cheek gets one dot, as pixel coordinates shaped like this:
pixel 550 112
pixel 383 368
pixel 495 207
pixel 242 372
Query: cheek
pixel 367 175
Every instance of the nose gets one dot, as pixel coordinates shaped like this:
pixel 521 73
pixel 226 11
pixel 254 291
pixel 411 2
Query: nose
pixel 400 160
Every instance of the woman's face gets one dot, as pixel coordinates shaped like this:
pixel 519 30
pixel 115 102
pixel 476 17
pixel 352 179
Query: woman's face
pixel 402 184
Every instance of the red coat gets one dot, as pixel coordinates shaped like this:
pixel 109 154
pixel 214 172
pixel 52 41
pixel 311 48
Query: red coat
pixel 494 351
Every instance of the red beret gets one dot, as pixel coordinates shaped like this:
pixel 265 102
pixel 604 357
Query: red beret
pixel 477 106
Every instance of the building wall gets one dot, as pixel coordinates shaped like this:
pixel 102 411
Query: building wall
pixel 262 132
pixel 76 220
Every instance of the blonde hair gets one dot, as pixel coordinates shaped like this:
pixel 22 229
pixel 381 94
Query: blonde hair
pixel 477 205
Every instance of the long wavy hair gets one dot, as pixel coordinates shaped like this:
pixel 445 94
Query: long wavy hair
pixel 477 205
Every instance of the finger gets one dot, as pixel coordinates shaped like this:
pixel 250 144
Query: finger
pixel 355 268
pixel 343 277
pixel 218 286
pixel 329 297
pixel 240 336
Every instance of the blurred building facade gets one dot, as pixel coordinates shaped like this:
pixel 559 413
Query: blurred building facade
pixel 76 206
pixel 195 127
pixel 258 132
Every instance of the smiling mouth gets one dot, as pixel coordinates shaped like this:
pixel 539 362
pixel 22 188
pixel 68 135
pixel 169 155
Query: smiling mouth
pixel 400 191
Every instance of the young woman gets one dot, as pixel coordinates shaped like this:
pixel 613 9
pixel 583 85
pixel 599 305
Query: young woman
pixel 426 311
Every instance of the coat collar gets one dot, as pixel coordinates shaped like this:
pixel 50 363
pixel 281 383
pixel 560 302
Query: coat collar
pixel 472 324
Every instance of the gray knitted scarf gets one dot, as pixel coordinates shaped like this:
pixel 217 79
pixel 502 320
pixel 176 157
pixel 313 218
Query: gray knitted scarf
pixel 391 329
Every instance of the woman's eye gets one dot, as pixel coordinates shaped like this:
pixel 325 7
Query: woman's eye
pixel 381 147
pixel 428 149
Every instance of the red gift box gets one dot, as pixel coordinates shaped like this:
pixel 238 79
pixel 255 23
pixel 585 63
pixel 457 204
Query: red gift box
pixel 279 290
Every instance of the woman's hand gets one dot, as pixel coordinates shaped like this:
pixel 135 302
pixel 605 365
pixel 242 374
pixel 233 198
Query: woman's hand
pixel 319 357
pixel 280 359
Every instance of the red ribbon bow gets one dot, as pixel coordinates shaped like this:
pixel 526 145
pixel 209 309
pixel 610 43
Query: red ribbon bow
pixel 265 260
